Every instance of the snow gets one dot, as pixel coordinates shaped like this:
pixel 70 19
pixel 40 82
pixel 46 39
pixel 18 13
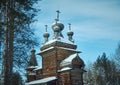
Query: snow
pixel 47 49
pixel 49 42
pixel 65 41
pixel 60 39
pixel 37 68
pixel 61 48
pixel 32 67
pixel 41 81
pixel 64 69
pixel 69 49
pixel 32 74
pixel 68 60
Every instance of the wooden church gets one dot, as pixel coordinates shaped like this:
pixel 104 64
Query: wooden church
pixel 61 64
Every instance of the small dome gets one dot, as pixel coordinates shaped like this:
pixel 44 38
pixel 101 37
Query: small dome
pixel 78 62
pixel 70 33
pixel 46 34
pixel 33 50
pixel 59 25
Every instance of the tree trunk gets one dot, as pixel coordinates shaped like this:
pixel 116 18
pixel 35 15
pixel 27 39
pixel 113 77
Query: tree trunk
pixel 11 39
pixel 5 53
pixel 7 64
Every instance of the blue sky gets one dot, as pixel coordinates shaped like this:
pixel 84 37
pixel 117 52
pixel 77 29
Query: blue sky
pixel 96 24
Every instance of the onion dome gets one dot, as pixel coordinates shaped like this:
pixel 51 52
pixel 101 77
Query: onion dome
pixel 77 62
pixel 33 61
pixel 46 35
pixel 70 33
pixel 57 27
pixel 33 50
pixel 57 22
pixel 60 25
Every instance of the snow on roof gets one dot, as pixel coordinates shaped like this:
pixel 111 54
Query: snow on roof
pixel 37 68
pixel 41 81
pixel 64 40
pixel 47 49
pixel 32 73
pixel 68 60
pixel 60 39
pixel 32 67
pixel 64 69
pixel 69 49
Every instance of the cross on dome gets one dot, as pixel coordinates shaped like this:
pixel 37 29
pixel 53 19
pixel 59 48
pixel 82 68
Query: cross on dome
pixel 57 27
pixel 32 46
pixel 46 27
pixel 56 20
pixel 69 26
pixel 70 33
pixel 32 50
pixel 46 34
pixel 58 12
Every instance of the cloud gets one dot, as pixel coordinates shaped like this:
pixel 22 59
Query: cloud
pixel 95 21
pixel 90 19
pixel 73 10
pixel 96 31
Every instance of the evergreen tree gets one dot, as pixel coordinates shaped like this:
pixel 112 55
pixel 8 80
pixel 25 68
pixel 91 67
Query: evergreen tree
pixel 16 79
pixel 15 19
pixel 117 56
pixel 88 76
pixel 117 62
pixel 105 70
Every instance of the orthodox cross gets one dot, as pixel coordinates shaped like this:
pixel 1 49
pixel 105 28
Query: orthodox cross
pixel 69 26
pixel 46 28
pixel 58 12
pixel 32 46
